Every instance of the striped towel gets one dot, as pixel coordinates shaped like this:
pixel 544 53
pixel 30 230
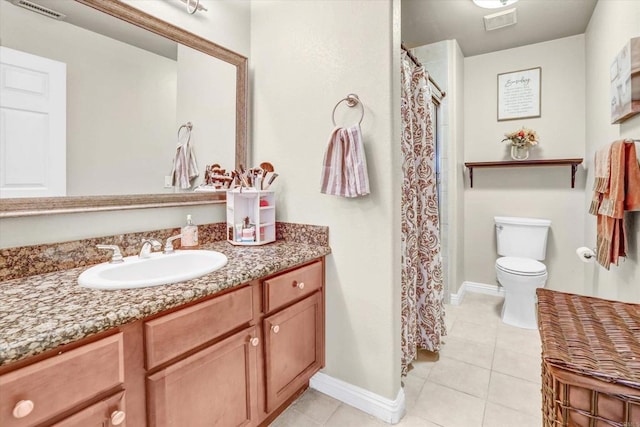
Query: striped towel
pixel 344 171
pixel 185 166
pixel 601 181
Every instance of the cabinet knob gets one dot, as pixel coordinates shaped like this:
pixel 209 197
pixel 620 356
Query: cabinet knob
pixel 117 417
pixel 255 341
pixel 275 329
pixel 23 408
pixel 299 285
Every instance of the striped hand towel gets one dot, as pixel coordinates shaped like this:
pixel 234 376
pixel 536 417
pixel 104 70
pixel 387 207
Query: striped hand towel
pixel 185 166
pixel 344 171
pixel 601 181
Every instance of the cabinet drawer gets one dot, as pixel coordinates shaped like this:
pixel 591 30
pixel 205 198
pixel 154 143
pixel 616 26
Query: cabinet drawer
pixel 171 335
pixel 107 412
pixel 288 287
pixel 57 384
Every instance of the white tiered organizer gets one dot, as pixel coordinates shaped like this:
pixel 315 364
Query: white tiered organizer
pixel 246 203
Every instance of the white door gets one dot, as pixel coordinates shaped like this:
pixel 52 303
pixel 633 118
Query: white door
pixel 33 110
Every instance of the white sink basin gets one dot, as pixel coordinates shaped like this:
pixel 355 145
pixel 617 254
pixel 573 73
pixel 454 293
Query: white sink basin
pixel 158 269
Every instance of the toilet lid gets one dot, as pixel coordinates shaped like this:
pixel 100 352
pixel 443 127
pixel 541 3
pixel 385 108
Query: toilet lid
pixel 521 266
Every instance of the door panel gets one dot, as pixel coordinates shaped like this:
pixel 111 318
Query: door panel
pixel 213 387
pixel 32 125
pixel 293 348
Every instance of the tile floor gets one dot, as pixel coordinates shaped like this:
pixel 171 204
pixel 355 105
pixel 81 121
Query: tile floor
pixel 486 375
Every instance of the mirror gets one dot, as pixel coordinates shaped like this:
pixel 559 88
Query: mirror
pixel 145 140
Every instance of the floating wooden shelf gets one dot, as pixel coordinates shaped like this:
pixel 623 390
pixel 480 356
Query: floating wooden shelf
pixel 526 163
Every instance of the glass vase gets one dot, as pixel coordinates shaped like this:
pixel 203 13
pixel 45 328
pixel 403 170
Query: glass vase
pixel 519 152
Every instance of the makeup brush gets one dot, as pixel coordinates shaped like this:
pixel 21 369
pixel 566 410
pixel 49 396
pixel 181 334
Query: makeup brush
pixel 271 179
pixel 266 166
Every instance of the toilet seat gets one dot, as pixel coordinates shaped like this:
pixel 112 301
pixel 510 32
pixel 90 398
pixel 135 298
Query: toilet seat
pixel 521 266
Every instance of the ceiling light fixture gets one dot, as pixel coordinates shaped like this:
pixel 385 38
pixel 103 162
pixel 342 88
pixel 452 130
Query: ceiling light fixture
pixel 493 4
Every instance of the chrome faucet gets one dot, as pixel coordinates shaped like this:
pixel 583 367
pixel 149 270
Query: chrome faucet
pixel 147 244
pixel 168 246
pixel 116 257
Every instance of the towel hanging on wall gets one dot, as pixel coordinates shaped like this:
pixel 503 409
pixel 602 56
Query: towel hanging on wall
pixel 616 189
pixel 344 170
pixel 185 165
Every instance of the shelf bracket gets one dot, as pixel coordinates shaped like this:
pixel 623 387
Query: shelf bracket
pixel 574 169
pixel 471 177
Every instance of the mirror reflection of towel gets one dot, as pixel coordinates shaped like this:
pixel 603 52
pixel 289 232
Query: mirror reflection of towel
pixel 344 170
pixel 185 166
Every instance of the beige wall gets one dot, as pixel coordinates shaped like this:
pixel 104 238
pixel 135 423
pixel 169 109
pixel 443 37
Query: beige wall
pixel 613 23
pixel 209 106
pixel 306 56
pixel 528 192
pixel 228 24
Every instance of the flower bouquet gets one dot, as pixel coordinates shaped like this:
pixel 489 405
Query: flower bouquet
pixel 521 140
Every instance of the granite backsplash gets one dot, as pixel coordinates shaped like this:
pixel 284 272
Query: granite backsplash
pixel 27 261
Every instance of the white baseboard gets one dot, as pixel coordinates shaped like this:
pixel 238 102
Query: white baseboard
pixel 456 299
pixel 389 411
pixel 478 288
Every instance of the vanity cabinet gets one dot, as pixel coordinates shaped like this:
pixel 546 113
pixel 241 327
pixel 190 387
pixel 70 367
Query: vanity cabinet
pixel 200 375
pixel 235 358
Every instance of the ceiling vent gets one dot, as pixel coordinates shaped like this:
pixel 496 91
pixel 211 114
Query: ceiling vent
pixel 39 9
pixel 500 19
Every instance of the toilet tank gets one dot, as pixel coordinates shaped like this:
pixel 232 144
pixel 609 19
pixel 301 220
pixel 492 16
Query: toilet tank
pixel 522 237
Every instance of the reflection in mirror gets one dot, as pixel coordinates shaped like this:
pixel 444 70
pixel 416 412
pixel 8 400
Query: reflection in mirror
pixel 126 101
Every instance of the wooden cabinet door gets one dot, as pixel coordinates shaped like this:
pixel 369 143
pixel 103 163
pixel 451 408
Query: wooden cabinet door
pixel 216 386
pixel 292 348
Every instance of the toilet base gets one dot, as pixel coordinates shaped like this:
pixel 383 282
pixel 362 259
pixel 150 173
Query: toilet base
pixel 519 308
pixel 519 315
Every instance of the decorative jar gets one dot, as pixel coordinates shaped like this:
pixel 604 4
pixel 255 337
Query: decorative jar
pixel 519 152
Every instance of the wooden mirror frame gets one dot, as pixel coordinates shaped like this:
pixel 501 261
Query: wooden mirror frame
pixel 17 207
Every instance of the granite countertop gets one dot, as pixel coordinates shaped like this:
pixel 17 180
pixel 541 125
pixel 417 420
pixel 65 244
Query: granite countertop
pixel 41 312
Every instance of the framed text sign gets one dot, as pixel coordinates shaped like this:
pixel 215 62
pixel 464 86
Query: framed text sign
pixel 519 94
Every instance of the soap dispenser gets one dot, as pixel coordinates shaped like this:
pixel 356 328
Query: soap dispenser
pixel 189 234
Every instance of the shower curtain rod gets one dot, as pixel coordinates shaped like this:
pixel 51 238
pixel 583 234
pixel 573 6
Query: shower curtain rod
pixel 418 64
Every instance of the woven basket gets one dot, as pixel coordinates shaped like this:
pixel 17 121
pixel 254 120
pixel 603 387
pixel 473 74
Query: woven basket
pixel 590 361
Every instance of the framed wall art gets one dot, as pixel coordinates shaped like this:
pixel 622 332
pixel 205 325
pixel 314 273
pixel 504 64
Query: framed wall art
pixel 519 95
pixel 625 82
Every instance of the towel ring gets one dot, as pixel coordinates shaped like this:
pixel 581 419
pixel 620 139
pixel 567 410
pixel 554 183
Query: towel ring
pixel 195 8
pixel 188 126
pixel 352 100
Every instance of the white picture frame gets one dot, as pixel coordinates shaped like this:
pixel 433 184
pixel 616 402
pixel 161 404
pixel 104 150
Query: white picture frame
pixel 519 94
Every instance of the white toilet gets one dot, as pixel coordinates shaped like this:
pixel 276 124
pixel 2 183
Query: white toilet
pixel 522 244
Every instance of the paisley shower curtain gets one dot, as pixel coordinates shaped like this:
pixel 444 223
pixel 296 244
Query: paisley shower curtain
pixel 422 289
